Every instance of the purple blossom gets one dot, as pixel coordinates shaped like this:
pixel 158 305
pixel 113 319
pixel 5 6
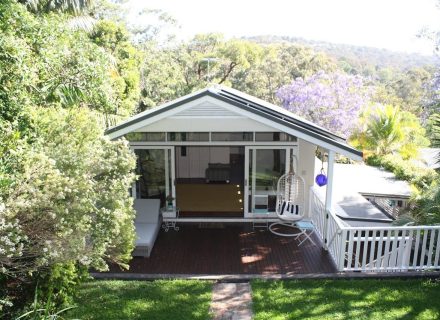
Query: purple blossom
pixel 331 100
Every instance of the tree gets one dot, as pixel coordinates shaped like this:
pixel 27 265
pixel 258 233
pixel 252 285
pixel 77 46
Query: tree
pixel 386 130
pixel 125 72
pixel 278 65
pixel 64 205
pixel 331 100
pixel 44 6
pixel 435 128
pixel 44 62
pixel 206 59
pixel 409 89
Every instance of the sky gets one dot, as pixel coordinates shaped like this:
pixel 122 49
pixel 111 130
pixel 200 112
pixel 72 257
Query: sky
pixel 390 24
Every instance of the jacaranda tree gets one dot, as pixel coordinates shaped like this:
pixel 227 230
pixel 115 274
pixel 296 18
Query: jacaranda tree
pixel 332 100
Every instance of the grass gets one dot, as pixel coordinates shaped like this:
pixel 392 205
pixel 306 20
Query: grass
pixel 346 299
pixel 162 299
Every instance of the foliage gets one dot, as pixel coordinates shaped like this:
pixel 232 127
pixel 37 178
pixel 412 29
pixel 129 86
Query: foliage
pixel 71 6
pixel 47 311
pixel 386 129
pixel 279 64
pixel 60 284
pixel 162 77
pixel 160 299
pixel 400 78
pixel 66 200
pixel 434 130
pixel 411 88
pixel 420 178
pixel 125 74
pixel 171 71
pixel 359 59
pixel 346 299
pixel 427 208
pixel 178 70
pixel 43 62
pixel 331 100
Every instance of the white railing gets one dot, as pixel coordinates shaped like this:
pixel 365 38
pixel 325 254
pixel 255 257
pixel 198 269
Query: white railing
pixel 375 248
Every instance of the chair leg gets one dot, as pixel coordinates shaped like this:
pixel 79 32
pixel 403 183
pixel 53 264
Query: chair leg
pixel 307 236
pixel 299 235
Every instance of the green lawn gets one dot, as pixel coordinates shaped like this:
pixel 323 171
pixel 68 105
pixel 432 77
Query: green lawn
pixel 162 299
pixel 346 299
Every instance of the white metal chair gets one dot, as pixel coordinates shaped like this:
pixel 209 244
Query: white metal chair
pixel 290 205
pixel 307 230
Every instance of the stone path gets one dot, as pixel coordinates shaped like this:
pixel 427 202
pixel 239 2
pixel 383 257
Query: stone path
pixel 231 301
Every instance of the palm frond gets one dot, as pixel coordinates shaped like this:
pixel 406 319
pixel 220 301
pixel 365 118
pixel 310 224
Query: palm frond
pixel 82 22
pixel 108 120
pixel 70 6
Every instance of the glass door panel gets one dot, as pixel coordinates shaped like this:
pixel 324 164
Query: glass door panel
pixel 154 170
pixel 265 167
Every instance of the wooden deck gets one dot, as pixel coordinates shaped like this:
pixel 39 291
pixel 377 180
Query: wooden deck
pixel 229 249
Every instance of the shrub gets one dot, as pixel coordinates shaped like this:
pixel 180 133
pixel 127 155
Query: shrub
pixel 427 207
pixel 66 205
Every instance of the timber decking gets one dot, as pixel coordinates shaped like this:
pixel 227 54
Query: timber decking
pixel 229 249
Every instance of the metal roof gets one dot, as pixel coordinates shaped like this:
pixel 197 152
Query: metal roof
pixel 250 104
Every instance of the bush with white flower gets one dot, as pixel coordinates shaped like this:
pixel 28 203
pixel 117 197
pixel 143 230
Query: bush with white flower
pixel 64 196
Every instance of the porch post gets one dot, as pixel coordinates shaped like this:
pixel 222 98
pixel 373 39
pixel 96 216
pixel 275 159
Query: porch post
pixel 328 193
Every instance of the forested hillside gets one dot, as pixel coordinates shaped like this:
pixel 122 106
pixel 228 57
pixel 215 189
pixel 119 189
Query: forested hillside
pixel 357 54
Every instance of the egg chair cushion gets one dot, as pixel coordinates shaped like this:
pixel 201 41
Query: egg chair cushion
pixel 289 208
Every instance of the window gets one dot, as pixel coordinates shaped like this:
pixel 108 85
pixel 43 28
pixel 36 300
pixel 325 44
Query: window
pixel 273 136
pixel 188 136
pixel 232 136
pixel 145 136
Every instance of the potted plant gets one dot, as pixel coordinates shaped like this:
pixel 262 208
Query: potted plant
pixel 169 200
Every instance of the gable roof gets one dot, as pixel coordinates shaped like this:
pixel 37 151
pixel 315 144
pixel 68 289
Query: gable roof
pixel 247 103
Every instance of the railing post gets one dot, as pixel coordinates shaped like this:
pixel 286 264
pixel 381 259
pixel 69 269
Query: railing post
pixel 328 194
pixel 343 244
pixel 310 205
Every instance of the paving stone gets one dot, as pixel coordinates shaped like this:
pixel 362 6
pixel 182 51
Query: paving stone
pixel 231 301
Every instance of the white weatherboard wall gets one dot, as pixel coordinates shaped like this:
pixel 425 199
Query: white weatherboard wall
pixel 306 167
pixel 206 116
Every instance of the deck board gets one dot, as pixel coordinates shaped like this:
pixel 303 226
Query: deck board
pixel 231 249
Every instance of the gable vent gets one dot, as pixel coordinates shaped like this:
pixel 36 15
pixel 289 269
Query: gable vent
pixel 206 110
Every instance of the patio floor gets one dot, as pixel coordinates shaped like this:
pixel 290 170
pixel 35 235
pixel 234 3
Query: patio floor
pixel 230 249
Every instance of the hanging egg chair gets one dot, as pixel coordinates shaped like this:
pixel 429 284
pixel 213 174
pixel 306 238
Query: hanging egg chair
pixel 290 205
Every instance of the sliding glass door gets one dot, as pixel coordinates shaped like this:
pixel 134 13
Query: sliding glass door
pixel 264 166
pixel 155 170
pixel 209 181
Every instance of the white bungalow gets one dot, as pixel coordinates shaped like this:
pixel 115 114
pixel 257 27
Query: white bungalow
pixel 217 154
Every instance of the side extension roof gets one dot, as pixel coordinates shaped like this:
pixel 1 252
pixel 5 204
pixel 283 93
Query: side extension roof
pixel 250 104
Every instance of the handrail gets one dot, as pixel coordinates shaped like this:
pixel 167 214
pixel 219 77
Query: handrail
pixel 321 197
